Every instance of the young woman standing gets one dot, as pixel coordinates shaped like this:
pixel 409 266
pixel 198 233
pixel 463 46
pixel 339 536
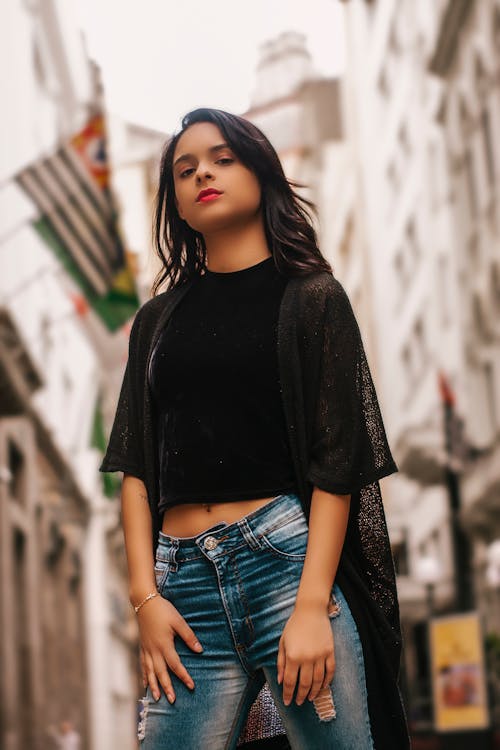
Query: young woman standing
pixel 251 442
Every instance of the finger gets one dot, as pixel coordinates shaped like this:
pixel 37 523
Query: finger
pixel 305 680
pixel 164 677
pixel 143 669
pixel 289 679
pixel 187 634
pixel 151 677
pixel 174 663
pixel 317 679
pixel 329 670
pixel 280 662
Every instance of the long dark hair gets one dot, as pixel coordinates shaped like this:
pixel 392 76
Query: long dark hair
pixel 287 215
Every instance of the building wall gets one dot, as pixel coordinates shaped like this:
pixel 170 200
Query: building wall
pixel 422 82
pixel 49 580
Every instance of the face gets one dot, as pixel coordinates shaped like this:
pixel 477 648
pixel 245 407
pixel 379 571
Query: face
pixel 203 160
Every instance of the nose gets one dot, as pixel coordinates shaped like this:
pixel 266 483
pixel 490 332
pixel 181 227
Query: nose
pixel 203 172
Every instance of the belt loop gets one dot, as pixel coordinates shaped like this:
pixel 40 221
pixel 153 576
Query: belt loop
pixel 248 534
pixel 172 555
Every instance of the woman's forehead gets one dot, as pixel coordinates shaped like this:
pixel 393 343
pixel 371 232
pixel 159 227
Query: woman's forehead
pixel 199 135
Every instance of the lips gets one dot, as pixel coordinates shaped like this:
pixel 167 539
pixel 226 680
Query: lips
pixel 208 194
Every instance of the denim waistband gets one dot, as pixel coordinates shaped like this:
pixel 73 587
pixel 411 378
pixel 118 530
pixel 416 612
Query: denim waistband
pixel 277 512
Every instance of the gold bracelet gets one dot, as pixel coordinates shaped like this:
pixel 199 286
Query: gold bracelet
pixel 146 598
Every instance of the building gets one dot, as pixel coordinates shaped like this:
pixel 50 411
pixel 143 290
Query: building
pixel 67 650
pixel 423 97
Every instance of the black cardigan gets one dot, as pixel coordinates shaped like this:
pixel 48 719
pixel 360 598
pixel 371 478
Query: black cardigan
pixel 338 443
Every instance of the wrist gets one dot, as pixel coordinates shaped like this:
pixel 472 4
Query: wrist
pixel 311 602
pixel 137 593
pixel 145 600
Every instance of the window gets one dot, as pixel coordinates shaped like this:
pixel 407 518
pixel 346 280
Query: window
pixel 419 345
pixel 412 241
pixel 470 183
pixel 383 83
pixel 481 331
pixel 495 26
pixel 414 354
pixel 490 392
pixel 400 555
pixel 404 140
pixel 393 178
pixel 489 154
pixel 16 472
pixel 399 268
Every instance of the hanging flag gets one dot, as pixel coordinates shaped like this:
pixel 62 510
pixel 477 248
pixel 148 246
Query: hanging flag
pixel 110 482
pixel 79 222
pixel 458 448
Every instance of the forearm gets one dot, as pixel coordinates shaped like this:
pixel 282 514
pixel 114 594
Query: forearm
pixel 328 520
pixel 137 530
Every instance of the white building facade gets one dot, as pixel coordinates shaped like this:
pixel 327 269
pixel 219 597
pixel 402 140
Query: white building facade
pixel 423 96
pixel 66 646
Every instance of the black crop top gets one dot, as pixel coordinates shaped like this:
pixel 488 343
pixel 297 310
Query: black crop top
pixel 221 430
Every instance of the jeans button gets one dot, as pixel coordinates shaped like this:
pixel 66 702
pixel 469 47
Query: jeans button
pixel 210 542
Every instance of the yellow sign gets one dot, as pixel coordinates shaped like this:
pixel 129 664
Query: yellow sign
pixel 457 670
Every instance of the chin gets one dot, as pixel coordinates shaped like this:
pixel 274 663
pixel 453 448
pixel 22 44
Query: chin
pixel 218 223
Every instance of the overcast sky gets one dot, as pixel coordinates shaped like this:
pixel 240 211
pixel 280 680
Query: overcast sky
pixel 161 58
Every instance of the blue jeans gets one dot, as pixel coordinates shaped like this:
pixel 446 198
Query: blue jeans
pixel 235 584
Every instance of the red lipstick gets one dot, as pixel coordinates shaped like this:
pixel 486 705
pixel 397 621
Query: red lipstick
pixel 207 194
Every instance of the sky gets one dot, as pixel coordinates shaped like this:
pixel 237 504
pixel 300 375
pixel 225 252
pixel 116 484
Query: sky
pixel 161 58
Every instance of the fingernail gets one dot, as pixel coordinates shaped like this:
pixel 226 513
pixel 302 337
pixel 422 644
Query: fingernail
pixel 171 697
pixel 190 685
pixel 198 646
pixel 156 696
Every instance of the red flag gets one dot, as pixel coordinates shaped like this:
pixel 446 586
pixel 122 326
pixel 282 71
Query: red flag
pixel 445 389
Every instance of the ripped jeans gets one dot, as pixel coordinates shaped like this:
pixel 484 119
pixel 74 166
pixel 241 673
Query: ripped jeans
pixel 235 584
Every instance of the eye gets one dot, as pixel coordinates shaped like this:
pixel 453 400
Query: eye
pixel 226 159
pixel 185 172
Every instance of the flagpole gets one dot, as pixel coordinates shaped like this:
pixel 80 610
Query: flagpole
pixel 464 599
pixel 455 444
pixel 454 448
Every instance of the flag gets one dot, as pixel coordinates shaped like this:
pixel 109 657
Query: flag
pixel 78 220
pixel 110 482
pixel 457 445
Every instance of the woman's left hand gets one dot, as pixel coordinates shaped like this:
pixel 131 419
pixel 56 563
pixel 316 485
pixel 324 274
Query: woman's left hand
pixel 306 651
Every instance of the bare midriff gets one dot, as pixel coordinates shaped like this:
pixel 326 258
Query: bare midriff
pixel 193 518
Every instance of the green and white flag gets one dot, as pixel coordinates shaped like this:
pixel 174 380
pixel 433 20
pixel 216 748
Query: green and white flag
pixel 78 221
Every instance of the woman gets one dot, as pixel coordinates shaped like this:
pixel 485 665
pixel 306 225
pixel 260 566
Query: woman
pixel 251 442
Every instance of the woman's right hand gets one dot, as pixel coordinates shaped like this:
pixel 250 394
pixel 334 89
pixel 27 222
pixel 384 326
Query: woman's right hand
pixel 159 622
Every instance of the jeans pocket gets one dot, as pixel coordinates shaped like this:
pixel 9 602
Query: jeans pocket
pixel 287 539
pixel 161 570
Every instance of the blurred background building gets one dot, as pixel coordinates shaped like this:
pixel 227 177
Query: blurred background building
pixel 68 648
pixel 401 154
pixel 422 103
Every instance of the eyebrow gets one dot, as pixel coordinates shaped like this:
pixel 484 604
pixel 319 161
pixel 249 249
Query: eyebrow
pixel 212 149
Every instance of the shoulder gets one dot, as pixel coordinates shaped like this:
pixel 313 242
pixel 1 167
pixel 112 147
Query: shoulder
pixel 322 303
pixel 320 290
pixel 149 313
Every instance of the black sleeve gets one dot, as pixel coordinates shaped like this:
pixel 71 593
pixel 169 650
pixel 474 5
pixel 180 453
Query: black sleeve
pixel 125 447
pixel 349 447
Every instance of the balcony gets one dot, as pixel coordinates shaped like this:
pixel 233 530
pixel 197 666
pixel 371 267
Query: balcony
pixel 19 376
pixel 421 453
pixel 453 15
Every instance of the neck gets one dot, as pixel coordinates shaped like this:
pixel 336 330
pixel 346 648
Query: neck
pixel 236 247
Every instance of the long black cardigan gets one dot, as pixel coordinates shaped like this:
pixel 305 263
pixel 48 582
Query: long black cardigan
pixel 338 443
